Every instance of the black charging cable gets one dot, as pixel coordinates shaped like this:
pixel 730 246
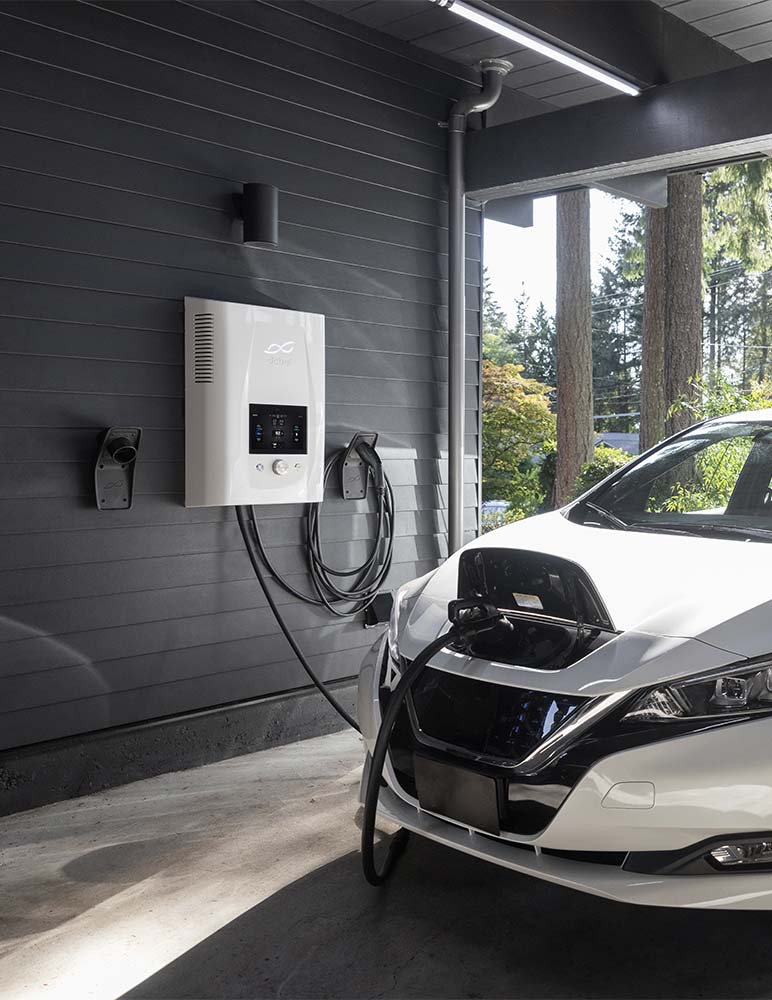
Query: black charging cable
pixel 378 760
pixel 250 542
pixel 342 601
pixel 468 618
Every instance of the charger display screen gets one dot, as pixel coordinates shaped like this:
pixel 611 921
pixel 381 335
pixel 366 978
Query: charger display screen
pixel 277 428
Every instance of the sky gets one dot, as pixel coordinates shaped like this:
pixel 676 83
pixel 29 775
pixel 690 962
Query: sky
pixel 525 258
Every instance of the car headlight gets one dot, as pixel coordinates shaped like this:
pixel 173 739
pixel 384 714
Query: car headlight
pixel 741 691
pixel 400 599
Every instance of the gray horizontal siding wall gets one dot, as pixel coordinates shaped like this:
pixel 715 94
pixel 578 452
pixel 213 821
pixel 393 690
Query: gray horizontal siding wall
pixel 125 128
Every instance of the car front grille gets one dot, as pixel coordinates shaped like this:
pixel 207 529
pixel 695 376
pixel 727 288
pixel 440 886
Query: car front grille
pixel 491 720
pixel 489 728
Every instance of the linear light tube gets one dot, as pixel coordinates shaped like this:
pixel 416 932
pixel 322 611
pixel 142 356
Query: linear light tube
pixel 501 27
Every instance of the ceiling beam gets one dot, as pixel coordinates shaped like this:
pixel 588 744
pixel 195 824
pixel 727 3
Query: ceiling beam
pixel 646 189
pixel 512 211
pixel 720 116
pixel 637 38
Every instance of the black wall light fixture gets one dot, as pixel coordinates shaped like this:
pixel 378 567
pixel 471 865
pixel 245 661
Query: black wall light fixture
pixel 258 206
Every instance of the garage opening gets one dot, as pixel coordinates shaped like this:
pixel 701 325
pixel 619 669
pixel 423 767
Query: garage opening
pixel 622 377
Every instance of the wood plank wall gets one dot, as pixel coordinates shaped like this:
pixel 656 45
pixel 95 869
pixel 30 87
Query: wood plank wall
pixel 125 129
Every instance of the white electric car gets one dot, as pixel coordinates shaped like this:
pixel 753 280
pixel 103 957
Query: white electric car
pixel 614 733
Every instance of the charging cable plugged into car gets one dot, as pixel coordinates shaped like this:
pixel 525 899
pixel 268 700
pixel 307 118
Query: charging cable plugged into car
pixel 468 618
pixel 243 451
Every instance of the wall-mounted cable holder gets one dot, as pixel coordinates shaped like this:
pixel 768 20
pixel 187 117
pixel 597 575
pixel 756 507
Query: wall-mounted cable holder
pixel 115 470
pixel 354 470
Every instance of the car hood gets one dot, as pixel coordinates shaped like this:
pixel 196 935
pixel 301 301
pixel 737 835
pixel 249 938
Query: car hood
pixel 682 604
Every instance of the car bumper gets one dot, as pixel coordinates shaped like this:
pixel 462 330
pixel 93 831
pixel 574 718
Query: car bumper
pixel 698 787
pixel 731 892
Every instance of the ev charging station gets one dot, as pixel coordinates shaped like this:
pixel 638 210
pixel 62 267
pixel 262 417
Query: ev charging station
pixel 255 434
pixel 254 405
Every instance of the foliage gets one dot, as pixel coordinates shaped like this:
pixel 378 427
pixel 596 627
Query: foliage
pixel 605 461
pixel 737 236
pixel 517 424
pixel 737 265
pixel 498 336
pixel 706 482
pixel 737 225
pixel 547 470
pixel 540 348
pixel 616 326
pixel 529 342
pixel 497 519
pixel 703 483
pixel 718 396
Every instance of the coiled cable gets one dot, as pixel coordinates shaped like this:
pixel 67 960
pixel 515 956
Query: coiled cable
pixel 368 577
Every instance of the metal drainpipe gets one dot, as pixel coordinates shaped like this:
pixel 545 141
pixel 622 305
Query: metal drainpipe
pixel 493 72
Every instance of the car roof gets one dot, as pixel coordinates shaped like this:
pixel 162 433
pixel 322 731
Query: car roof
pixel 755 416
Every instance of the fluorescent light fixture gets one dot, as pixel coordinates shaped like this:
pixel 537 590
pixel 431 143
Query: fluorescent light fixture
pixel 501 27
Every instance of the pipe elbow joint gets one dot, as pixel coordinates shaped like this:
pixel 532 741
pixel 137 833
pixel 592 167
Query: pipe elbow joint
pixel 493 72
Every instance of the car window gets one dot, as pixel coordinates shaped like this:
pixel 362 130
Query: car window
pixel 715 479
pixel 702 482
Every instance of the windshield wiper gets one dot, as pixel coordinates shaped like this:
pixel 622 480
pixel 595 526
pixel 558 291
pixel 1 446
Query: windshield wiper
pixel 608 517
pixel 670 529
pixel 703 528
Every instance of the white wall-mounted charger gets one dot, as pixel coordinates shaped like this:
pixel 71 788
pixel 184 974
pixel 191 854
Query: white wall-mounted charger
pixel 254 404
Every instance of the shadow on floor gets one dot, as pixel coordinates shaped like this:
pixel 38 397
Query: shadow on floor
pixel 47 900
pixel 126 863
pixel 449 926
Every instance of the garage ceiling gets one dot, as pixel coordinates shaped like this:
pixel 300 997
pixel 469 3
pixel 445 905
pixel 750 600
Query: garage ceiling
pixel 652 42
pixel 745 26
pixel 437 30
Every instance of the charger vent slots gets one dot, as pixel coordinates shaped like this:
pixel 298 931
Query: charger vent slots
pixel 203 347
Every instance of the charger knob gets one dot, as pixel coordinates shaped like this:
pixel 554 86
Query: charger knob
pixel 280 467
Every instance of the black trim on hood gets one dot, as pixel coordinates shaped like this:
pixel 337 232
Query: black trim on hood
pixel 528 803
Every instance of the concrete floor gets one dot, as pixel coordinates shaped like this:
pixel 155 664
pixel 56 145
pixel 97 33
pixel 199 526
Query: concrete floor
pixel 242 879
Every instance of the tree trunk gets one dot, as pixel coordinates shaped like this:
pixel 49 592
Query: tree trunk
pixel 683 281
pixel 712 331
pixel 573 321
pixel 653 406
pixel 763 329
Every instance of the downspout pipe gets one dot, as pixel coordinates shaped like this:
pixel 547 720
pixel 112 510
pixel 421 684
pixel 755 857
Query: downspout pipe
pixel 493 72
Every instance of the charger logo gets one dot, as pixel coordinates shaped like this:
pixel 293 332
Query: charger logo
pixel 287 348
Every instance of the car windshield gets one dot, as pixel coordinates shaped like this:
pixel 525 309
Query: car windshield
pixel 714 480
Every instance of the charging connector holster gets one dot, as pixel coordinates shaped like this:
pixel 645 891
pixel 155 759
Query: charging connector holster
pixel 354 469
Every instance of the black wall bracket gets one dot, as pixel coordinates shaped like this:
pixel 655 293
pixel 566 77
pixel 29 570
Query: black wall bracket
pixel 354 471
pixel 116 467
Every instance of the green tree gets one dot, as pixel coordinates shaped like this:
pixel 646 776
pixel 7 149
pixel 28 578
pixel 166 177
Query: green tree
pixel 538 351
pixel 605 461
pixel 718 396
pixel 518 426
pixel 707 482
pixel 502 343
pixel 616 326
pixel 737 227
pixel 526 342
